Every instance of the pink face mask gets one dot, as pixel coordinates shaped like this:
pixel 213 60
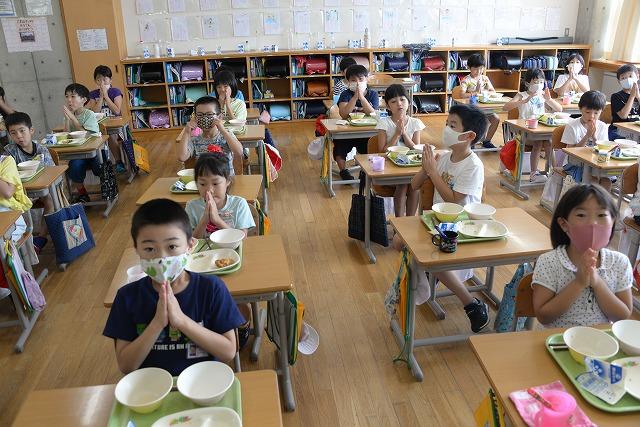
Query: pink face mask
pixel 589 236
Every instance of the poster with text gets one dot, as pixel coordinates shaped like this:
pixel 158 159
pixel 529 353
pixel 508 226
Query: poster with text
pixel 26 34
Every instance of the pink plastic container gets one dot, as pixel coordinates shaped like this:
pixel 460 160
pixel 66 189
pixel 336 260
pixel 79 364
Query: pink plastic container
pixel 563 406
pixel 377 163
pixel 532 123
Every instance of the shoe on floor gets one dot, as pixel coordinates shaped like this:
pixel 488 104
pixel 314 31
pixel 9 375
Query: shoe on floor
pixel 346 175
pixel 39 242
pixel 81 198
pixel 537 178
pixel 243 336
pixel 487 144
pixel 120 169
pixel 4 292
pixel 478 315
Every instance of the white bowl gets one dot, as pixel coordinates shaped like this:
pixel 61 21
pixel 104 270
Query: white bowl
pixel 626 143
pixel 627 333
pixel 356 115
pixel 447 212
pixel 398 149
pixel 604 144
pixel 585 341
pixel 78 134
pixel 28 165
pixel 237 122
pixel 496 95
pixel 143 390
pixel 186 175
pixel 61 136
pixel 135 273
pixel 479 210
pixel 560 115
pixel 205 383
pixel 227 238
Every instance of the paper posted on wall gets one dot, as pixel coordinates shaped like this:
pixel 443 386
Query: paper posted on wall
pixel 26 34
pixel 92 39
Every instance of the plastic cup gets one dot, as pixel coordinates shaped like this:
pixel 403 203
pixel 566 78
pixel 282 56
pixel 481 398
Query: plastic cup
pixel 562 407
pixel 532 123
pixel 377 163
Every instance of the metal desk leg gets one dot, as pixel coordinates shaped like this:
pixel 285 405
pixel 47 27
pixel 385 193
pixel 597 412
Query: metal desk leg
pixel 330 172
pixel 265 198
pixel 435 306
pixel 258 325
pixel 367 220
pixel 283 357
pixel 586 174
pixel 53 192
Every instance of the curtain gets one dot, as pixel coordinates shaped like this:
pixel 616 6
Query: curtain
pixel 626 43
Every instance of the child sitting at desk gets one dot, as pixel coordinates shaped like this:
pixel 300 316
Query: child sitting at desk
pixel 226 87
pixel 342 84
pixel 581 282
pixel 77 117
pixel 171 318
pixel 107 100
pixel 625 104
pixel 574 80
pixel 12 195
pixel 475 83
pixel 532 104
pixel 457 177
pixel 356 98
pixel 206 117
pixel 400 129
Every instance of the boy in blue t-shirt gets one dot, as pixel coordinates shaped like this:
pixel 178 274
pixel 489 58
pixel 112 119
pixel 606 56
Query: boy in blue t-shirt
pixel 171 318
pixel 356 98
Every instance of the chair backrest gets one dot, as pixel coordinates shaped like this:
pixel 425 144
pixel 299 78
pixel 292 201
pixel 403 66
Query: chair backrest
pixel 456 92
pixel 556 136
pixel 54 157
pixel 372 145
pixel 524 297
pixel 513 114
pixel 605 116
pixel 630 179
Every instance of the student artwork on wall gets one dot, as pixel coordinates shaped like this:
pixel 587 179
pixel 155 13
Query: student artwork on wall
pixel 331 21
pixel 210 26
pixel 302 21
pixel 179 28
pixel 148 31
pixel 38 7
pixel 360 20
pixel 239 4
pixel 144 7
pixel 272 23
pixel 208 5
pixel 177 6
pixel 241 24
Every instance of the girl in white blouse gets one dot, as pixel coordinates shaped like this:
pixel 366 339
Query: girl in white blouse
pixel 574 80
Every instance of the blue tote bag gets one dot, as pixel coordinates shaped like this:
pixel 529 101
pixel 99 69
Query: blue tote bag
pixel 70 232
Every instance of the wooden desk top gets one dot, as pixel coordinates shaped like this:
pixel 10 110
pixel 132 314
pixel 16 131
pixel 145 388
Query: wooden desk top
pixel 265 269
pixel 391 170
pixel 253 113
pixel 527 237
pixel 521 124
pixel 91 406
pixel 45 179
pixel 253 133
pixel 114 122
pixel 629 126
pixel 629 222
pixel 588 156
pixel 7 219
pixel 518 360
pixel 245 186
pixel 94 143
pixel 332 127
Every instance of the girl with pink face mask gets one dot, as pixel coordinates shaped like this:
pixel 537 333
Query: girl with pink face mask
pixel 581 282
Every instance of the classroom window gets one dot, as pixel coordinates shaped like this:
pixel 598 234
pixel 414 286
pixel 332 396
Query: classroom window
pixel 622 37
pixel 611 26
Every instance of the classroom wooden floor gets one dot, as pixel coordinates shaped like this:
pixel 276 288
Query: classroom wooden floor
pixel 350 381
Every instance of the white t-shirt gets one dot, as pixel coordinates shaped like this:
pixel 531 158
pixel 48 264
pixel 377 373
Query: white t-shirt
pixel 554 270
pixel 562 79
pixel 574 131
pixel 535 106
pixel 465 177
pixel 386 124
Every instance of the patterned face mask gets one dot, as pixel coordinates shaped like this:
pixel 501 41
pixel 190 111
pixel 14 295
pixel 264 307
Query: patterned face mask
pixel 205 122
pixel 165 269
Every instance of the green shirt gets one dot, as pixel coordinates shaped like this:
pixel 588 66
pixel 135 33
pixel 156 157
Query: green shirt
pixel 239 109
pixel 87 119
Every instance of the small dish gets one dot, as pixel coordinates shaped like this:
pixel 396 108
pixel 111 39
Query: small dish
pixel 191 186
pixel 479 210
pixel 627 332
pixel 447 212
pixel 482 228
pixel 626 143
pixel 186 175
pixel 29 165
pixel 398 149
pixel 354 116
pixel 212 416
pixel 585 341
pixel 205 261
pixel 632 380
pixel 227 238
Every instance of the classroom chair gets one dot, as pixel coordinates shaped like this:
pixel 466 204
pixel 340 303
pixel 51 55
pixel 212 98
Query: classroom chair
pixel 557 144
pixel 456 92
pixel 524 303
pixel 54 157
pixel 605 116
pixel 380 190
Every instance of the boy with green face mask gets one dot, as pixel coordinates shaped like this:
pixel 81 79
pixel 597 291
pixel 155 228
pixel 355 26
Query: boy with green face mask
pixel 214 136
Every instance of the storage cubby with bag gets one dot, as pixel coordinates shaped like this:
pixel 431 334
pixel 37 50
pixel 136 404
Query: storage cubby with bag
pixel 396 62
pixel 276 67
pixel 432 83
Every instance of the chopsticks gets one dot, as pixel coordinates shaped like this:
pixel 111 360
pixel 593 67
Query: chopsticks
pixel 558 346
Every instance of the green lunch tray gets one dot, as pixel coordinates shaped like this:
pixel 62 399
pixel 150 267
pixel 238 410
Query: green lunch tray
pixel 371 122
pixel 174 190
pixel 625 158
pixel 174 402
pixel 572 369
pixel 202 246
pixel 429 218
pixel 32 177
pixel 393 157
pixel 494 101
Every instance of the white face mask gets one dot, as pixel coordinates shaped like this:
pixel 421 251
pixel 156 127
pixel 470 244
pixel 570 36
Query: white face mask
pixel 576 66
pixel 166 269
pixel 450 137
pixel 628 82
pixel 535 87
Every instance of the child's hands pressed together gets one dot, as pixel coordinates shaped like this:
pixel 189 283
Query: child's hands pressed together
pixel 546 94
pixel 211 210
pixel 591 128
pixel 587 267
pixel 174 313
pixel 161 318
pixel 67 112
pixel 429 162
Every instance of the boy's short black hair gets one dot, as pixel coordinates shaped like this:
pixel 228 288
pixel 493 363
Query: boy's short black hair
pixel 473 119
pixel 78 89
pixel 593 100
pixel 357 71
pixel 160 212
pixel 226 77
pixel 17 118
pixel 203 100
pixel 1 92
pixel 346 62
pixel 212 163
pixel 625 69
pixel 572 198
pixel 578 57
pixel 102 70
pixel 476 60
pixel 534 73
pixel 395 91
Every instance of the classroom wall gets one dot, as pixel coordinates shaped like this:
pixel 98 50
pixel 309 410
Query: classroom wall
pixel 398 21
pixel 34 82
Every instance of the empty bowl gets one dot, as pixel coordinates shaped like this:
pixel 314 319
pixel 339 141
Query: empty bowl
pixel 356 115
pixel 626 143
pixel 227 238
pixel 605 145
pixel 186 175
pixel 29 165
pixel 205 383
pixel 479 210
pixel 398 149
pixel 628 334
pixel 585 341
pixel 143 390
pixel 562 116
pixel 78 134
pixel 447 212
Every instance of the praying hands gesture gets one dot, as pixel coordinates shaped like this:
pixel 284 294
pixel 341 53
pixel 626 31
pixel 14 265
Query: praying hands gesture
pixel 587 273
pixel 168 311
pixel 429 162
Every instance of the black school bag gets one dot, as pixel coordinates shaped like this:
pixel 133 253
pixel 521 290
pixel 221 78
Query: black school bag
pixel 108 181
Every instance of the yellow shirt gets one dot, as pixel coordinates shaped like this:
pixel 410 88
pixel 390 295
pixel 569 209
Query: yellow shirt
pixel 469 84
pixel 9 173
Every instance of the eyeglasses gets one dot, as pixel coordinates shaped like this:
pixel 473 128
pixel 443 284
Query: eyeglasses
pixel 206 115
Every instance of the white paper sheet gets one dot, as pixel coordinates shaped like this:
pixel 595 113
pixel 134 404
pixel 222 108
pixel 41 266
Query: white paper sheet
pixel 423 3
pixel 453 19
pixel 38 7
pixel 208 5
pixel 272 23
pixel 239 4
pixel 144 6
pixel 533 18
pixel 507 18
pixel 177 6
pixel 148 31
pixel 331 21
pixel 269 3
pixel 179 28
pixel 93 39
pixel 361 20
pixel 331 3
pixel 456 3
pixel 481 18
pixel 210 27
pixel 26 34
pixel 241 24
pixel 552 21
pixel 301 3
pixel 302 21
pixel 390 19
pixel 6 8
pixel 425 19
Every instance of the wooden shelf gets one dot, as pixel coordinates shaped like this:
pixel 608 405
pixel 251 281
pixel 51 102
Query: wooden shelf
pixel 429 72
pixel 149 107
pixel 260 101
pixel 429 93
pixel 270 78
pixel 308 76
pixel 312 98
pixel 145 85
pixel 190 82
pixel 180 105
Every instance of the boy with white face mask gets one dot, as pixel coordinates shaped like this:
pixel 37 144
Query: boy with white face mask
pixel 171 318
pixel 574 80
pixel 625 104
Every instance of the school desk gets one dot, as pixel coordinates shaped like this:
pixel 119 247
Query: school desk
pixel 91 406
pixel 253 114
pixel 488 108
pixel 119 126
pixel 46 183
pixel 264 276
pixel 527 136
pixel 90 149
pixel 245 186
pixel 586 157
pixel 527 239
pixel 572 108
pixel 337 132
pixel 254 138
pixel 519 360
pixel 630 129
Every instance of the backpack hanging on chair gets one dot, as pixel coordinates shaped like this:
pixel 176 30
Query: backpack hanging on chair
pixel 108 181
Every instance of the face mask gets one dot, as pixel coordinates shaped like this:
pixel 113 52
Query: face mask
pixel 353 86
pixel 535 87
pixel 627 83
pixel 450 137
pixel 362 85
pixel 576 66
pixel 205 122
pixel 165 269
pixel 593 236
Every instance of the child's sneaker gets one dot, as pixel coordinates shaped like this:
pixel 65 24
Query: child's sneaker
pixel 4 292
pixel 488 144
pixel 478 315
pixel 537 178
pixel 243 335
pixel 38 243
pixel 81 198
pixel 120 169
pixel 346 175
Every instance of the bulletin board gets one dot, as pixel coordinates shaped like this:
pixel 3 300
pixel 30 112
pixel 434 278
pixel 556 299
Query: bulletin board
pixel 187 24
